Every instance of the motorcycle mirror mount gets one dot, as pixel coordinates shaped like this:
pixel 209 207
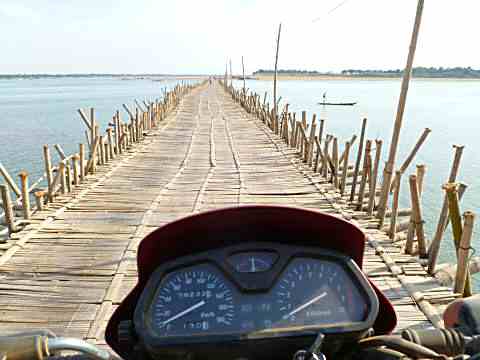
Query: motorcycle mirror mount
pixel 314 353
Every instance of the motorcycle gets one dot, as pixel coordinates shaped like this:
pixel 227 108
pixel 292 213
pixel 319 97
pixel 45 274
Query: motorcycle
pixel 258 282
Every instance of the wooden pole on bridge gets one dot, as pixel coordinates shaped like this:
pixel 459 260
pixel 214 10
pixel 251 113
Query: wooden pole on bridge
pixel 275 81
pixel 388 171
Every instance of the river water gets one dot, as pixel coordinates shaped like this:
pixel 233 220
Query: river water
pixel 43 111
pixel 448 107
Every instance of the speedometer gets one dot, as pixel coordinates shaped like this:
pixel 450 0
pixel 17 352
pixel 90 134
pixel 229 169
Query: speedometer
pixel 190 301
pixel 317 292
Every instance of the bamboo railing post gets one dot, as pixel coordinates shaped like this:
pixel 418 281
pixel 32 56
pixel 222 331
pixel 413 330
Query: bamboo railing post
pixel 345 168
pixel 359 160
pixel 8 208
pixel 335 163
pixel 412 226
pixel 325 163
pixel 443 218
pixel 311 141
pixel 390 164
pixel 365 174
pixel 396 196
pixel 81 153
pixel 92 129
pixel 68 176
pixel 417 215
pixel 25 194
pixel 373 180
pixel 117 132
pixel 243 72
pixel 39 200
pixel 48 171
pixel 102 151
pixel 75 160
pixel 456 220
pixel 63 178
pixel 462 274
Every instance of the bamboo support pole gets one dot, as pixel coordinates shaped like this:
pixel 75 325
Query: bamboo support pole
pixel 8 208
pixel 461 276
pixel 412 227
pixel 102 151
pixel 48 171
pixel 396 196
pixel 373 180
pixel 81 153
pixel 352 141
pixel 92 129
pixel 75 160
pixel 412 154
pixel 10 181
pixel 62 177
pixel 117 133
pixel 345 168
pixel 390 164
pixel 456 220
pixel 243 72
pixel 319 155
pixel 84 118
pixel 359 160
pixel 311 142
pixel 275 75
pixel 68 176
pixel 335 163
pixel 39 200
pixel 417 216
pixel 443 218
pixel 325 163
pixel 25 195
pixel 365 174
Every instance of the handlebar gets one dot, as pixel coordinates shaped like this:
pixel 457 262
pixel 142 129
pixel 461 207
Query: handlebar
pixel 38 346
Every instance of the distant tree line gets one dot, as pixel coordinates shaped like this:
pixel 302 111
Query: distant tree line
pixel 430 72
pixel 52 76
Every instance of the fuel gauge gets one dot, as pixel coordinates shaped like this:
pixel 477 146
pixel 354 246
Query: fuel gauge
pixel 253 261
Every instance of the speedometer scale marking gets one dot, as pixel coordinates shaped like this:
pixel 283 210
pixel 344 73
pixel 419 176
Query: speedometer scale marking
pixel 192 301
pixel 315 292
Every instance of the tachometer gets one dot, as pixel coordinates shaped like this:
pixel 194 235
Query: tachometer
pixel 193 300
pixel 317 292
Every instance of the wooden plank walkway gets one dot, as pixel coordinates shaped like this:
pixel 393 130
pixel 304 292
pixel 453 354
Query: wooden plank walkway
pixel 73 265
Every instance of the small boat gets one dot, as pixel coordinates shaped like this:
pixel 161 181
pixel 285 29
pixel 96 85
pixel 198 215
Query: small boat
pixel 337 103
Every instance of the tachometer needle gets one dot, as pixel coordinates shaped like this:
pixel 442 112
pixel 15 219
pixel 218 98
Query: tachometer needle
pixel 184 312
pixel 301 307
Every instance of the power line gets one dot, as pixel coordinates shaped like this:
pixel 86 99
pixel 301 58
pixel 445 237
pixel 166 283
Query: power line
pixel 331 10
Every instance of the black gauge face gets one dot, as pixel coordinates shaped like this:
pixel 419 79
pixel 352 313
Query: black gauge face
pixel 253 261
pixel 193 300
pixel 312 292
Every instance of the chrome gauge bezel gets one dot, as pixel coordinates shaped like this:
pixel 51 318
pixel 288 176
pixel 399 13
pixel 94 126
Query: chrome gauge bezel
pixel 251 283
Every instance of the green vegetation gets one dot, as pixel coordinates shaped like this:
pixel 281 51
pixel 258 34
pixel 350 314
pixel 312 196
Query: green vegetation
pixel 422 72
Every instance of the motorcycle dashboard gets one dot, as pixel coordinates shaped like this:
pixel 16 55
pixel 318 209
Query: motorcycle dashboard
pixel 254 291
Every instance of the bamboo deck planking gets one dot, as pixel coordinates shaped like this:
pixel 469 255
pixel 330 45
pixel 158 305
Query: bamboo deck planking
pixel 70 268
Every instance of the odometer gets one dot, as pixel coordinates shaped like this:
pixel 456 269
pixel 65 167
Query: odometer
pixel 192 300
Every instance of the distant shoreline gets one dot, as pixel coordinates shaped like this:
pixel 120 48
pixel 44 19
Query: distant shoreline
pixel 154 77
pixel 353 77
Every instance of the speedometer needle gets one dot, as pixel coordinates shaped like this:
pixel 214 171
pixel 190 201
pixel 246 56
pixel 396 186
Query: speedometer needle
pixel 184 312
pixel 301 307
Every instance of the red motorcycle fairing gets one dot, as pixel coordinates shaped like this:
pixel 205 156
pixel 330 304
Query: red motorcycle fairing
pixel 214 229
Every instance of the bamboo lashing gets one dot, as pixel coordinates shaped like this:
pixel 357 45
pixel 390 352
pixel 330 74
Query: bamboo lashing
pixel 443 219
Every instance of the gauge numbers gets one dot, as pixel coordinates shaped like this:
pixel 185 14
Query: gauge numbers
pixel 193 300
pixel 315 292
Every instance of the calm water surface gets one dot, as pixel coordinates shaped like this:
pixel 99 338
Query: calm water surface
pixel 43 111
pixel 448 107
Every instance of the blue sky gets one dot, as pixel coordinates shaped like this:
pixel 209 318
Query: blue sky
pixel 186 36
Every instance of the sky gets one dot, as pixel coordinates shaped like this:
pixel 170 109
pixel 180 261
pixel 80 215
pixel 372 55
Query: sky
pixel 198 37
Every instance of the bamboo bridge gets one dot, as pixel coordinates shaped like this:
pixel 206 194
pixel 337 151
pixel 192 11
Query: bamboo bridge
pixel 71 259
